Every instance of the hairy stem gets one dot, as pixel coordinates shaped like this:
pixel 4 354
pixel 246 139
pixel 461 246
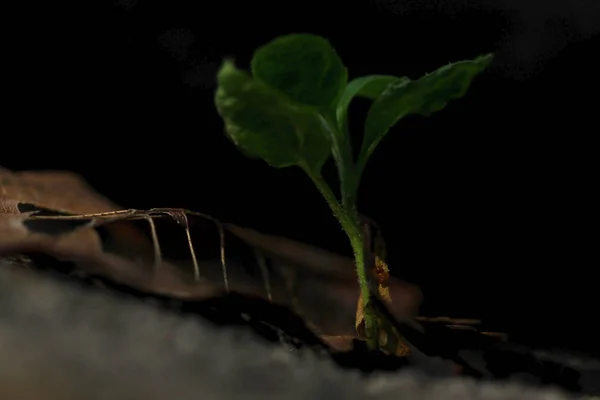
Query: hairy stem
pixel 352 228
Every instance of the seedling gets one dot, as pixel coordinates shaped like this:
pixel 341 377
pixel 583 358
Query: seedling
pixel 291 110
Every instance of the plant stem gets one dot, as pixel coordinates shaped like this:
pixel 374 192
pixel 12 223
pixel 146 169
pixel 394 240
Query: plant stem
pixel 350 224
pixel 342 154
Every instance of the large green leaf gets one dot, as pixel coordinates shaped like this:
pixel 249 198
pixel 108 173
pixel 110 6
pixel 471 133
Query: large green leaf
pixel 264 123
pixel 303 66
pixel 366 86
pixel 424 96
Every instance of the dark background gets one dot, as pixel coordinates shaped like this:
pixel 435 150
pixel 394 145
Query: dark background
pixel 487 204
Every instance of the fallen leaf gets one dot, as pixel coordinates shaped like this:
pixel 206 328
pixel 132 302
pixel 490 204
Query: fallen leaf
pixel 339 343
pixel 67 193
pixel 297 255
pixel 33 197
pixel 325 286
pixel 56 190
pixel 82 246
pixel 323 283
pixel 389 338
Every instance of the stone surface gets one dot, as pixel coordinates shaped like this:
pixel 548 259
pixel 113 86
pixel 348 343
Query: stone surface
pixel 61 342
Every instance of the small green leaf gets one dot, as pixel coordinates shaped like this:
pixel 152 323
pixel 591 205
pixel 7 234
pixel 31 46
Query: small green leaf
pixel 263 123
pixel 303 66
pixel 424 96
pixel 366 86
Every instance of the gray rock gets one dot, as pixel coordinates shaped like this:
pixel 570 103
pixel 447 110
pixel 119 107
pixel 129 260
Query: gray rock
pixel 63 342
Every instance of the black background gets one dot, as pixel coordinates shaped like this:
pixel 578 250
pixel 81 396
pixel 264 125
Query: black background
pixel 487 205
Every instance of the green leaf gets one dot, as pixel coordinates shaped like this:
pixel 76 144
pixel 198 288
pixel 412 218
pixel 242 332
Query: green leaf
pixel 303 66
pixel 366 86
pixel 424 96
pixel 263 123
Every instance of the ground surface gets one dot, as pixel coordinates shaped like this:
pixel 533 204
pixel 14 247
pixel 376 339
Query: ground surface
pixel 59 341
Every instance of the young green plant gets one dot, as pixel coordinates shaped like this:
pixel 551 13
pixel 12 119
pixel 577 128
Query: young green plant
pixel 291 110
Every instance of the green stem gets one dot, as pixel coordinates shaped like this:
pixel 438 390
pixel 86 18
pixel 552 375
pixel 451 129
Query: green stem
pixel 352 228
pixel 342 154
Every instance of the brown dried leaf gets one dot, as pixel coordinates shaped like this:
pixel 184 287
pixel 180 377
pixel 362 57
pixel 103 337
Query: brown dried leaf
pixel 82 246
pixel 55 190
pixel 325 283
pixel 67 193
pixel 339 343
pixel 389 339
pixel 449 320
pixel 300 255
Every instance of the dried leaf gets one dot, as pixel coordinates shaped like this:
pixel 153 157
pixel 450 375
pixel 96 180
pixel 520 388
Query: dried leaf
pixel 339 343
pixel 325 285
pixel 390 340
pixel 67 193
pixel 300 255
pixel 82 246
pixel 55 190
pixel 448 320
pixel 55 197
